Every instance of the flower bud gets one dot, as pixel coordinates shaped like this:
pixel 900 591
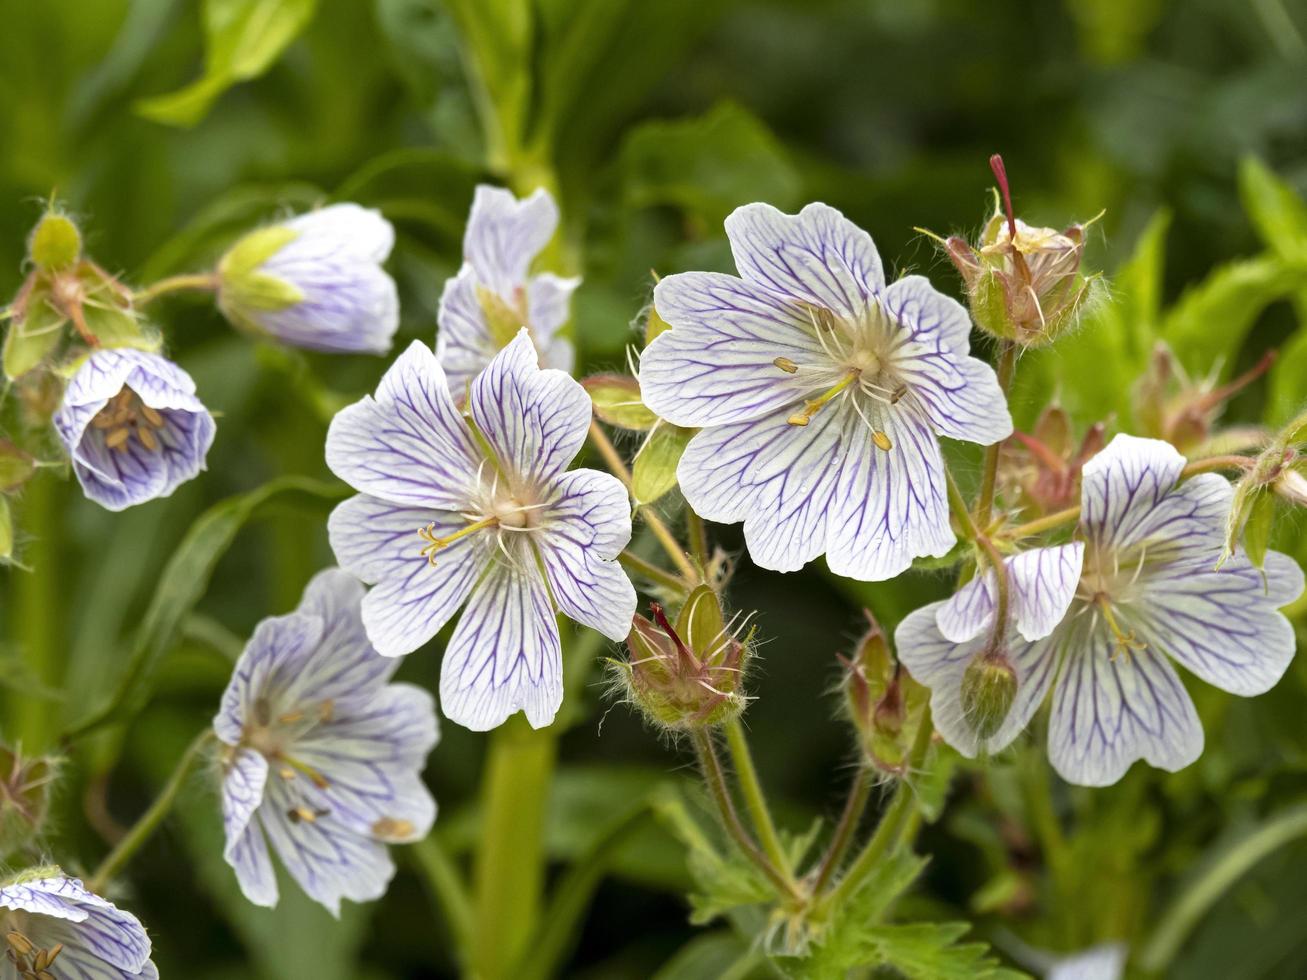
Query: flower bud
pixel 24 798
pixel 688 676
pixel 1171 406
pixel 55 244
pixel 989 686
pixel 616 400
pixel 1040 471
pixel 883 701
pixel 653 471
pixel 1023 283
pixel 315 281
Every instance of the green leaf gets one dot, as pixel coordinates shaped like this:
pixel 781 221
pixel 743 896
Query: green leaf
pixel 242 40
pixel 181 585
pixel 653 471
pixel 930 951
pixel 498 35
pixel 708 166
pixel 1209 323
pixel 719 955
pixel 616 399
pixel 1276 211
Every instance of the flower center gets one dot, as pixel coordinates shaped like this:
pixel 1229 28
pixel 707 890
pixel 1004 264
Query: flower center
pixel 1108 583
pixel 273 737
pixel 126 415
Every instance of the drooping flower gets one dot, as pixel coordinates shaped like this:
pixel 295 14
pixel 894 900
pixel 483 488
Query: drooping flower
pixel 133 427
pixel 480 510
pixel 315 281
pixel 53 927
pixel 494 295
pixel 324 755
pixel 821 393
pixel 1148 592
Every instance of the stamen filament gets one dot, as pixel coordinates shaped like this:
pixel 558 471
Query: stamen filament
pixel 434 543
pixel 814 406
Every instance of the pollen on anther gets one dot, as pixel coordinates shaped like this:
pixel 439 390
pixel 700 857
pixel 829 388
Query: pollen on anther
pixel 786 365
pixel 882 441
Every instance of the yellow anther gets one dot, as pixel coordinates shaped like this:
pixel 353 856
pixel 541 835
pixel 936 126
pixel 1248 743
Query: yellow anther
pixel 392 829
pixel 327 710
pixel 813 407
pixel 882 441
pixel 47 956
pixel 290 717
pixel 20 943
pixel 303 813
pixel 786 365
pixel 286 773
pixel 319 780
pixel 124 415
pixel 434 544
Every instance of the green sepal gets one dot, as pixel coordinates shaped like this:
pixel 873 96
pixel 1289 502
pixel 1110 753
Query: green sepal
pixel 989 305
pixel 257 292
pixel 252 250
pixel 16 466
pixel 117 326
pixel 653 471
pixel 33 337
pixel 700 623
pixel 654 325
pixel 1257 532
pixel 502 320
pixel 616 400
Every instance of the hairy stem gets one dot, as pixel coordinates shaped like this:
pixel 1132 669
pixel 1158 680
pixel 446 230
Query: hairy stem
pixel 36 622
pixel 198 282
pixel 698 535
pixel 447 887
pixel 634 563
pixel 754 798
pixel 144 827
pixel 1007 362
pixel 854 806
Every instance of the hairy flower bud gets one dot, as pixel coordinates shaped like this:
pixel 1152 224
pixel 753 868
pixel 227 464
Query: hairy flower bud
pixel 688 676
pixel 989 686
pixel 1023 283
pixel 883 701
pixel 24 798
pixel 1040 470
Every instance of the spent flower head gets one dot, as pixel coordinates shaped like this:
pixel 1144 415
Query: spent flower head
pixel 1023 282
pixel 882 701
pixel 1039 471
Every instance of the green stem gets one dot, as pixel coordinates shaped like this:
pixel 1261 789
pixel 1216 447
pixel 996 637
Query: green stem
pixel 698 535
pixel 1007 363
pixel 634 563
pixel 854 806
pixel 511 863
pixel 198 282
pixel 754 798
pixel 1223 869
pixel 37 624
pixel 447 887
pixel 144 827
pixel 1048 829
pixel 715 778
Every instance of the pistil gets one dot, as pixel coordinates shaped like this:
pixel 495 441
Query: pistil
pixel 1125 640
pixel 813 407
pixel 434 544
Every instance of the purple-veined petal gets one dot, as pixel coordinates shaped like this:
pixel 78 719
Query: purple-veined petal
pixel 924 314
pixel 581 535
pixel 58 897
pixel 775 477
pixel 100 940
pixel 889 507
pixel 1223 625
pixel 535 420
pixel 411 599
pixel 716 365
pixel 504 656
pixel 243 784
pixel 408 445
pixel 463 344
pixel 940 663
pixel 1123 485
pixel 1111 708
pixel 1042 583
pixel 343 228
pixel 505 234
pixel 817 256
pixel 548 301
pixel 272 660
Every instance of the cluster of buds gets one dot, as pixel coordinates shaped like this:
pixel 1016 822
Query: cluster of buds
pixel 66 288
pixel 24 799
pixel 690 675
pixel 883 701
pixel 1023 283
pixel 1040 470
pixel 1170 405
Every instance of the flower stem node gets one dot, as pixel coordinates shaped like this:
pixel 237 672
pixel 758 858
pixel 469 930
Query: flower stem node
pixel 989 686
pixel 688 676
pixel 1023 282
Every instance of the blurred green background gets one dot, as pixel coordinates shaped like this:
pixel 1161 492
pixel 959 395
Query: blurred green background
pixel 658 118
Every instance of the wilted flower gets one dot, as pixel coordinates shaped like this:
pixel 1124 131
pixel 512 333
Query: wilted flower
pixel 494 295
pixel 821 393
pixel 983 695
pixel 133 427
pixel 315 281
pixel 54 928
pixel 1147 593
pixel 324 756
pixel 690 675
pixel 1040 470
pixel 480 510
pixel 1023 283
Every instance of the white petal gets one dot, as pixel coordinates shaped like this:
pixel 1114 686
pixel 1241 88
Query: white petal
pixel 581 536
pixel 776 477
pixel 927 315
pixel 817 256
pixel 463 344
pixel 345 227
pixel 535 420
pixel 242 792
pixel 1042 581
pixel 504 655
pixel 888 507
pixel 504 234
pixel 273 659
pixel 108 944
pixel 1109 712
pixel 548 298
pixel 411 599
pixel 1105 962
pixel 407 445
pixel 717 363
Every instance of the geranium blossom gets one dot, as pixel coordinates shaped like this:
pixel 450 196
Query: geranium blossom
pixel 1148 592
pixel 133 427
pixel 494 295
pixel 315 281
pixel 821 392
pixel 324 756
pixel 480 510
pixel 53 927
